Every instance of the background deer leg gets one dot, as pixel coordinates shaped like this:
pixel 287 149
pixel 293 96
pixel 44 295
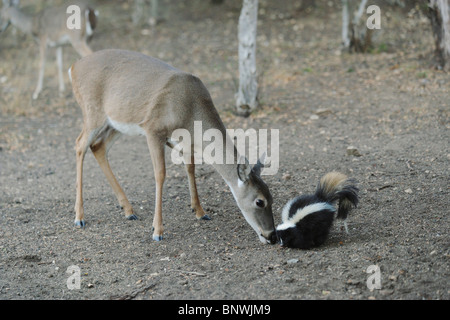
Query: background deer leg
pixel 43 53
pixel 59 61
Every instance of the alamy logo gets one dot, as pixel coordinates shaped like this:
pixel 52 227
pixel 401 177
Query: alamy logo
pixel 374 280
pixel 74 280
pixel 374 21
pixel 214 147
pixel 74 20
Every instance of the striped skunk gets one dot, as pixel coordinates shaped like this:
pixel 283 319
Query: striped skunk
pixel 307 219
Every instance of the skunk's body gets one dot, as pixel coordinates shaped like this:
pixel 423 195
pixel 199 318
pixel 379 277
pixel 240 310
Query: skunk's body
pixel 307 219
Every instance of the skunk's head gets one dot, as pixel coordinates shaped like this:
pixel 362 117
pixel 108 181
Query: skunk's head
pixel 289 235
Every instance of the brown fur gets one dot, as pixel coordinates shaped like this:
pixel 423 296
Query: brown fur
pixel 145 94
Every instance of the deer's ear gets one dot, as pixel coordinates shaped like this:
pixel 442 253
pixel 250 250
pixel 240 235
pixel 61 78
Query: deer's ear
pixel 243 169
pixel 10 3
pixel 259 165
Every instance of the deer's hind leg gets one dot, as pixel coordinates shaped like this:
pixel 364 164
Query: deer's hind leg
pixel 156 147
pixel 100 149
pixel 80 148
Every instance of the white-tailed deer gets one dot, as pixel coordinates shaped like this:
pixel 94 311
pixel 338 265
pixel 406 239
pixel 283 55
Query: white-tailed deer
pixel 127 92
pixel 49 28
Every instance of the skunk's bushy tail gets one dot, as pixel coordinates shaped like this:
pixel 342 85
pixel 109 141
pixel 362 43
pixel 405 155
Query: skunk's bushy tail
pixel 335 186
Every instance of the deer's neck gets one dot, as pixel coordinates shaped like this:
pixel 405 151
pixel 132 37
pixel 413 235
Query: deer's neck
pixel 21 21
pixel 228 167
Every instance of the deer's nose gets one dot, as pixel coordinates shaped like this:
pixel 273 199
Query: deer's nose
pixel 272 237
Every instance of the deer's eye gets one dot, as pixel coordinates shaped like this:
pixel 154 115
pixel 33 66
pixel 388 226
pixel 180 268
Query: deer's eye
pixel 260 203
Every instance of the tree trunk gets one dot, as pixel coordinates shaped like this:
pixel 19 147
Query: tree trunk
pixel 246 97
pixel 345 24
pixel 356 37
pixel 439 12
pixel 140 12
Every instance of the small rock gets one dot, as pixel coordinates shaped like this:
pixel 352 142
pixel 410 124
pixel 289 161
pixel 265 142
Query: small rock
pixel 314 117
pixel 393 278
pixel 424 82
pixel 152 21
pixel 292 261
pixel 290 280
pixel 323 111
pixel 286 176
pixel 408 191
pixel 183 282
pixel 90 285
pixel 352 281
pixel 352 151
pixel 386 292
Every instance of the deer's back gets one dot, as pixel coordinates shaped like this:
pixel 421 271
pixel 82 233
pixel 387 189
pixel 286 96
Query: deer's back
pixel 135 88
pixel 52 22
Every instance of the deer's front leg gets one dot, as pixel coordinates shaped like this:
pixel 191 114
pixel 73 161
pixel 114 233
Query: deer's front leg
pixel 195 202
pixel 43 54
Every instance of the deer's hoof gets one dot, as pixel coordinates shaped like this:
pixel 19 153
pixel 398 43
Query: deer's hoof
pixel 80 223
pixel 205 217
pixel 132 217
pixel 157 238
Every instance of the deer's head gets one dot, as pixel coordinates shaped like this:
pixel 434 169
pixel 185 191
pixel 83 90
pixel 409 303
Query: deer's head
pixel 254 199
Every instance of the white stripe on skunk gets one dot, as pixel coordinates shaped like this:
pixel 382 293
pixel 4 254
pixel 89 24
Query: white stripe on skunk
pixel 303 212
pixel 307 219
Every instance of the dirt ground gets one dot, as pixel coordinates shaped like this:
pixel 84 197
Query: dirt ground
pixel 390 104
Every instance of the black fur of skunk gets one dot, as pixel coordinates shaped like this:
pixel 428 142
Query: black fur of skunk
pixel 307 219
